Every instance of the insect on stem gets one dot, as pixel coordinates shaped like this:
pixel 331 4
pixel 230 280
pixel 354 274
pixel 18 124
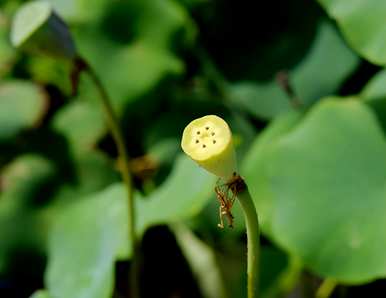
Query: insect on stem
pixel 226 198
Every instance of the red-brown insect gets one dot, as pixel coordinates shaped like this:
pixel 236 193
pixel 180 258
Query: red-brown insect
pixel 226 195
pixel 226 204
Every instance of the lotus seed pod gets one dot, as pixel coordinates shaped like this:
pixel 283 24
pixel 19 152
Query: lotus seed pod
pixel 37 28
pixel 208 141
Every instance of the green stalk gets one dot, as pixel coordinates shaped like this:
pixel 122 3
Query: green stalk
pixel 253 245
pixel 326 288
pixel 113 123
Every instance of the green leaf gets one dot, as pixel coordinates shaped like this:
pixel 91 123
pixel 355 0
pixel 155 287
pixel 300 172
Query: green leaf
pixel 202 260
pixel 22 104
pixel 23 179
pixel 142 56
pixel 83 246
pixel 363 25
pixel 279 281
pixel 24 183
pixel 91 234
pixel 324 198
pixel 40 294
pixel 375 88
pixel 81 121
pixel 183 195
pixel 160 20
pixel 93 172
pixel 319 74
pixel 50 71
pixel 131 70
pixel 28 183
pixel 7 54
pixel 254 165
pixel 262 100
pixel 374 94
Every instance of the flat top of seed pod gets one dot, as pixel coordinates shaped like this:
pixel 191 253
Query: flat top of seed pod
pixel 28 19
pixel 206 137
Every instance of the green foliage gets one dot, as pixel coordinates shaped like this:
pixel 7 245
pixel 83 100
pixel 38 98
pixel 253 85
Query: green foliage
pixel 320 73
pixel 322 212
pixel 316 170
pixel 176 200
pixel 22 182
pixel 81 121
pixel 374 94
pixel 36 28
pixel 139 53
pixel 83 247
pixel 22 105
pixel 362 23
pixel 76 268
pixel 40 294
pixel 7 55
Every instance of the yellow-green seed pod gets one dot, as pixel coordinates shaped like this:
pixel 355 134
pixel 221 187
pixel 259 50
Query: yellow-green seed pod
pixel 208 141
pixel 37 28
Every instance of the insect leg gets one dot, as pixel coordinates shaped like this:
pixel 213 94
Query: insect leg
pixel 221 224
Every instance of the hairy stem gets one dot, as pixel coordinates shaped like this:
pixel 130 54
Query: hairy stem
pixel 253 235
pixel 113 123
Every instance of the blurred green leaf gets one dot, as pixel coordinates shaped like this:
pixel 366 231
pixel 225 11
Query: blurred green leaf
pixel 376 87
pixel 23 179
pixel 323 196
pixel 139 58
pixel 7 54
pixel 183 195
pixel 165 150
pixel 83 246
pixel 262 100
pixel 363 25
pixel 22 105
pixel 91 234
pixel 47 70
pixel 273 263
pixel 40 294
pixel 160 21
pixel 26 186
pixel 131 70
pixel 374 94
pixel 254 165
pixel 319 74
pixel 81 121
pixel 283 277
pixel 93 172
pixel 24 183
pixel 203 262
